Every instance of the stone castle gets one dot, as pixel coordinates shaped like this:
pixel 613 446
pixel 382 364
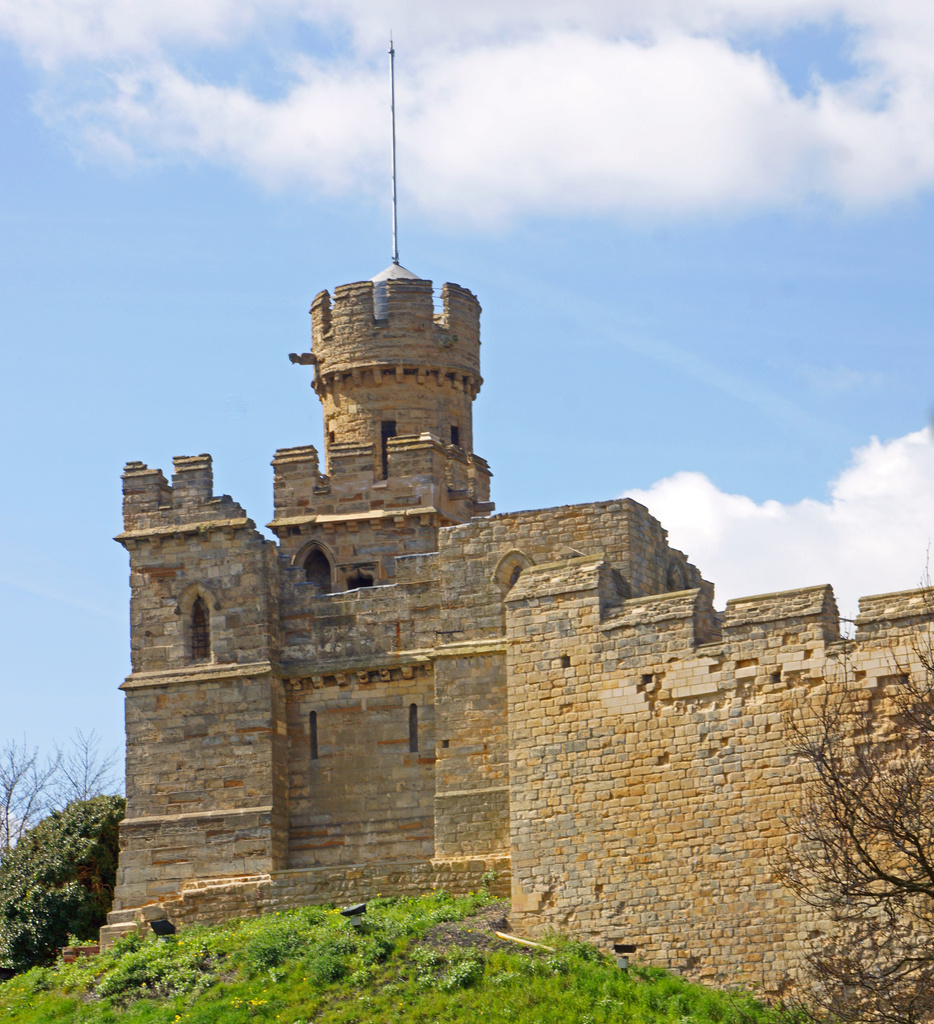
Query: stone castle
pixel 405 691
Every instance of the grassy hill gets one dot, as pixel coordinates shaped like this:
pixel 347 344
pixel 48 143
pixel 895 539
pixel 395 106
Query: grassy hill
pixel 415 961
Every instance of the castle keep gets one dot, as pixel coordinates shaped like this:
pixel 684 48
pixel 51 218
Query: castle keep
pixel 404 691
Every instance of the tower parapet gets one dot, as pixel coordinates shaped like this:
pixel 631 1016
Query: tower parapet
pixel 393 323
pixel 145 491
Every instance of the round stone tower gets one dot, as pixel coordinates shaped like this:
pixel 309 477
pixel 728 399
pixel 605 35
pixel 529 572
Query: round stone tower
pixel 388 366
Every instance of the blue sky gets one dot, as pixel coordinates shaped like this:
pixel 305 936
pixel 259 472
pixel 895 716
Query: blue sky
pixel 701 233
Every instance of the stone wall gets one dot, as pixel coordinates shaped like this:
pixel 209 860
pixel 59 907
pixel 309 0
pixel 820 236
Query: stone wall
pixel 358 791
pixel 651 769
pixel 471 800
pixel 479 557
pixel 212 900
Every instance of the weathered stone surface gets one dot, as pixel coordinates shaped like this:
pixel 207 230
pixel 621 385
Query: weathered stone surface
pixel 548 695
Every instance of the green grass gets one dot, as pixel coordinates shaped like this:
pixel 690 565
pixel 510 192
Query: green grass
pixel 311 965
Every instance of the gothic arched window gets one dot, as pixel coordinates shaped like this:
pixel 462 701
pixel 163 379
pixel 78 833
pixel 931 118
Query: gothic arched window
pixel 317 569
pixel 200 631
pixel 509 570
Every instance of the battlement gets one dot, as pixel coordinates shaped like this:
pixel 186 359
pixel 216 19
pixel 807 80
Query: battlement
pixel 808 611
pixel 347 334
pixel 151 505
pixel 297 481
pixel 144 491
pixel 193 479
pixel 881 615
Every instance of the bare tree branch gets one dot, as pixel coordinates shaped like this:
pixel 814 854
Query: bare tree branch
pixel 24 790
pixel 83 771
pixel 861 847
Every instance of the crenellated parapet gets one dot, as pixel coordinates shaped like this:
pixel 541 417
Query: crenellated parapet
pixel 145 492
pixel 387 365
pixel 298 484
pixel 810 612
pixel 347 335
pixel 882 616
pixel 151 505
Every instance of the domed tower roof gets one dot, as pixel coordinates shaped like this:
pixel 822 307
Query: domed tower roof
pixel 394 272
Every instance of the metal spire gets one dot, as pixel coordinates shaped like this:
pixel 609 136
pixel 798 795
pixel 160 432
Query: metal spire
pixel 392 106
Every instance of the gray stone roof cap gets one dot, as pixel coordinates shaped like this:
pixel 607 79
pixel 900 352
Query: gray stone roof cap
pixel 393 273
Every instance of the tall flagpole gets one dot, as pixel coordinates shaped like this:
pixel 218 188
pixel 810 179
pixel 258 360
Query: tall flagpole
pixel 392 105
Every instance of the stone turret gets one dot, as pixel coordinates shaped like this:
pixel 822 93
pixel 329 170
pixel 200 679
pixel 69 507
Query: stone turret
pixel 384 357
pixel 397 382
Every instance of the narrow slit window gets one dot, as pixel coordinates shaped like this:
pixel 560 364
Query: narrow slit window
pixel 455 435
pixel 387 430
pixel 200 631
pixel 313 734
pixel 413 728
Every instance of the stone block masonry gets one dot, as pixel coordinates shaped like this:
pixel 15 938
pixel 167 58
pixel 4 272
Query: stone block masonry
pixel 403 691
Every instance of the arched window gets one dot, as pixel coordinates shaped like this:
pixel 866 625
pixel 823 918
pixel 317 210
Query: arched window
pixel 413 728
pixel 200 631
pixel 317 570
pixel 313 734
pixel 509 570
pixel 676 577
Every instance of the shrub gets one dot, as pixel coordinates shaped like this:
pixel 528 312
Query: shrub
pixel 276 942
pixel 326 961
pixel 157 968
pixel 58 880
pixel 466 969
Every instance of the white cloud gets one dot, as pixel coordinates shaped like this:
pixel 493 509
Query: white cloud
pixel 326 132
pixel 871 536
pixel 52 32
pixel 505 108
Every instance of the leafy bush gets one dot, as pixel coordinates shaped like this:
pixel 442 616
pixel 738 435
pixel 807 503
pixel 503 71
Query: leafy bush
pixel 375 949
pixel 58 880
pixel 327 960
pixel 158 968
pixel 426 958
pixel 466 969
pixel 275 944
